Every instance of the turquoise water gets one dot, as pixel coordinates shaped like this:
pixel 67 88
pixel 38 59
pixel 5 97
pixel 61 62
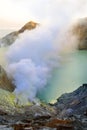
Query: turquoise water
pixel 70 75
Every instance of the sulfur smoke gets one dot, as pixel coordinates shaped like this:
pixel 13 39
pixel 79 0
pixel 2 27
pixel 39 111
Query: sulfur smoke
pixel 32 58
pixel 30 62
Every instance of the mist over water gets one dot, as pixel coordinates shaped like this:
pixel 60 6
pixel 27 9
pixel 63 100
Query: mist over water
pixel 30 62
pixel 35 55
pixel 67 78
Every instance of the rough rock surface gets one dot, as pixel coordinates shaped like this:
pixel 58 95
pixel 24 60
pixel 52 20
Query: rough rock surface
pixel 5 82
pixel 10 38
pixel 80 31
pixel 34 118
pixel 77 100
pixel 74 106
pixel 68 113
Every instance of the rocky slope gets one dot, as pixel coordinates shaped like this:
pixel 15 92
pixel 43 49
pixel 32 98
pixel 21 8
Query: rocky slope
pixel 75 101
pixel 5 82
pixel 74 106
pixel 34 117
pixel 68 113
pixel 10 38
pixel 80 31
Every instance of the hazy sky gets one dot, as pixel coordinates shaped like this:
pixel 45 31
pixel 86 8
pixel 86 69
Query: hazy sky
pixel 15 13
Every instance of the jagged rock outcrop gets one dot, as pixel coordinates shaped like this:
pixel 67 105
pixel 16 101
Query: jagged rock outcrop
pixel 5 82
pixel 80 31
pixel 74 106
pixel 10 38
pixel 74 102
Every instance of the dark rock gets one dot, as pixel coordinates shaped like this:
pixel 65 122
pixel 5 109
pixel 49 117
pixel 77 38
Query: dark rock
pixel 70 116
pixel 22 127
pixel 77 100
pixel 5 127
pixel 73 106
pixel 85 112
pixel 47 128
pixel 61 124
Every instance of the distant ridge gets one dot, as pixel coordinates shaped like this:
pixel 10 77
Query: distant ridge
pixel 11 37
pixel 28 26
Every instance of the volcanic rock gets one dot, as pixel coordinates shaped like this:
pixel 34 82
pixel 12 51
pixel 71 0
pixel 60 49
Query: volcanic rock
pixel 80 31
pixel 5 82
pixel 10 38
pixel 68 113
pixel 73 106
pixel 75 102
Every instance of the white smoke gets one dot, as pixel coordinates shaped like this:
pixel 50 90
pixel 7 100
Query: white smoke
pixel 30 62
pixel 28 78
pixel 35 54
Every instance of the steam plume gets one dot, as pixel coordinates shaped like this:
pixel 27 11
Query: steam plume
pixel 32 58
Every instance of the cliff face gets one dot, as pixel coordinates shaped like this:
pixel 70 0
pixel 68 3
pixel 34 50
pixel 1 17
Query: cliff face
pixel 75 102
pixel 10 38
pixel 80 31
pixel 5 82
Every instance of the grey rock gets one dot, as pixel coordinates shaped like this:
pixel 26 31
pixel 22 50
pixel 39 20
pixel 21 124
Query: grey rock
pixel 5 127
pixel 75 101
